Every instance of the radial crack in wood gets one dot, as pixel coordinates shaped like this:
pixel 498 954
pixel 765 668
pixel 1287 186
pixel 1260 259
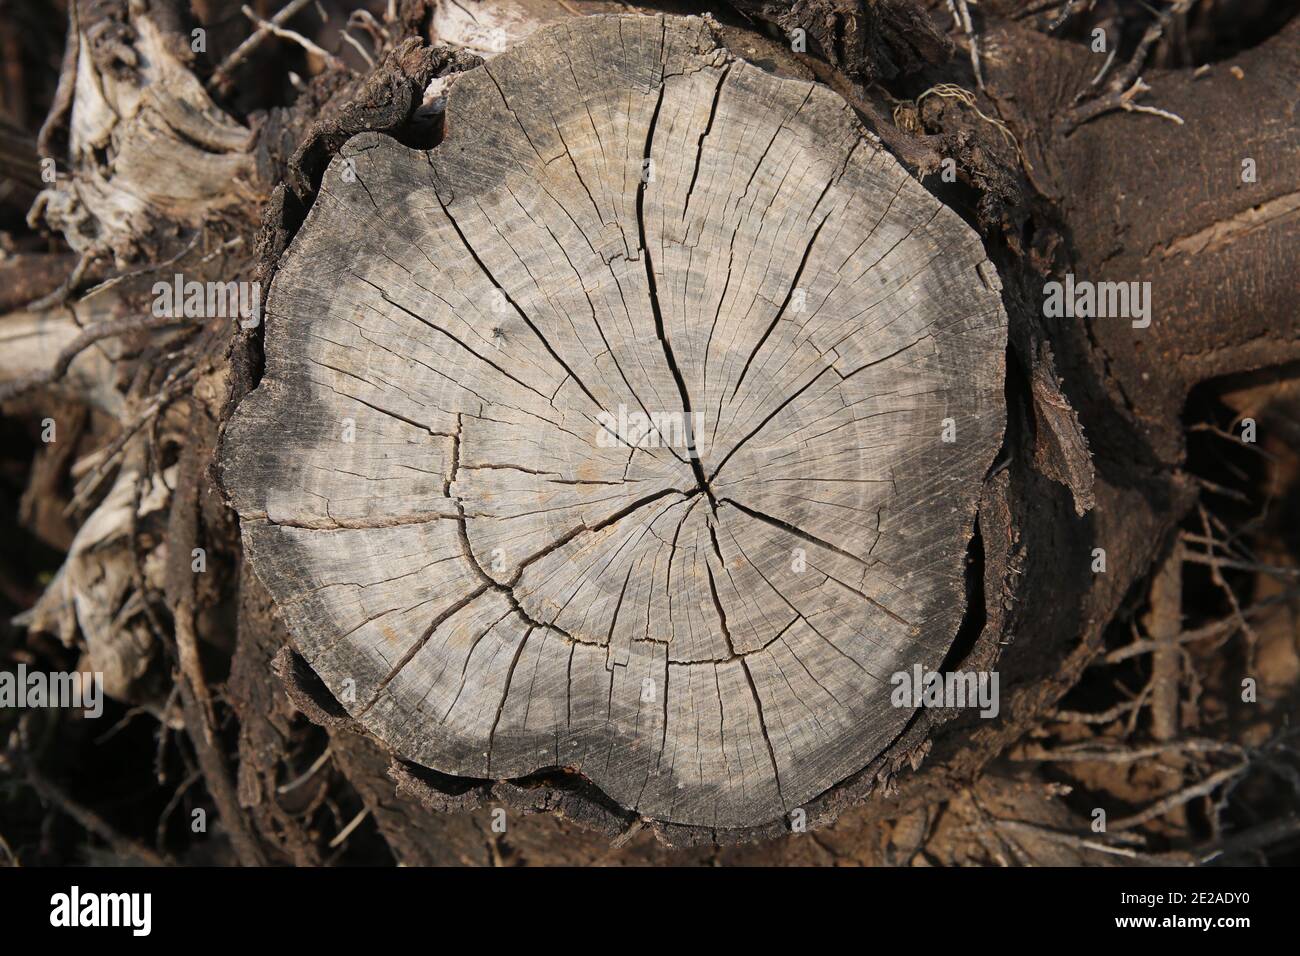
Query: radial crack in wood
pixel 636 430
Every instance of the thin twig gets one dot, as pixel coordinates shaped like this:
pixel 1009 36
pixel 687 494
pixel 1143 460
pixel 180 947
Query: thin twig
pixel 64 290
pixel 93 334
pixel 1164 623
pixel 1217 629
pixel 356 45
pixel 121 277
pixel 86 486
pixel 1153 33
pixel 1102 72
pixel 161 831
pixel 286 34
pixel 306 775
pixel 1126 101
pixel 53 793
pixel 245 49
pixel 961 17
pixel 365 20
pixel 1104 717
pixel 1092 752
pixel 1184 796
pixel 1127 84
pixel 1217 489
pixel 1256 838
pixel 1216 574
pixel 347 830
pixel 1229 436
pixel 1082 843
pixel 1068 9
pixel 1196 557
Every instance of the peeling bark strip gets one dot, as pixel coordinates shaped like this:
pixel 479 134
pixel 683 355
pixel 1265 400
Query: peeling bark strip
pixel 625 223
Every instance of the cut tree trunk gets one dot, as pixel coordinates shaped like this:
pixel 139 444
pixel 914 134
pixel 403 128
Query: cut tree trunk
pixel 637 430
pixel 599 463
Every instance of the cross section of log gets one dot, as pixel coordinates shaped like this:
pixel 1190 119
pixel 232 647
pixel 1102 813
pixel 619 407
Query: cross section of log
pixel 637 430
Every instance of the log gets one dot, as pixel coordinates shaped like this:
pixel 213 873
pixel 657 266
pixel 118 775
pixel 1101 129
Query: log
pixel 636 431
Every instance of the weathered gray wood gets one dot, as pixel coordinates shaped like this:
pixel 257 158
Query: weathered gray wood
pixel 484 575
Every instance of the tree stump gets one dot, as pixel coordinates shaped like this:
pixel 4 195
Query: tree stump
pixel 636 431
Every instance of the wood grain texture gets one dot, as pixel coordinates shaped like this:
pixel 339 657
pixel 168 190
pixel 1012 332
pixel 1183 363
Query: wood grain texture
pixel 440 478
